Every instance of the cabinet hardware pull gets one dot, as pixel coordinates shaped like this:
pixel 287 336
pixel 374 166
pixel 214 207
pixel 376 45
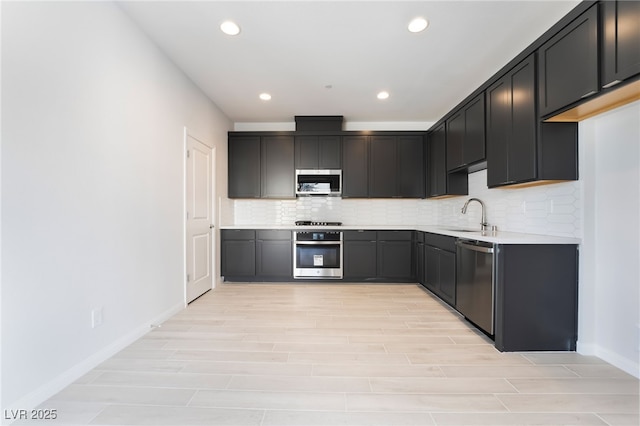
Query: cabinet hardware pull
pixel 613 83
pixel 586 95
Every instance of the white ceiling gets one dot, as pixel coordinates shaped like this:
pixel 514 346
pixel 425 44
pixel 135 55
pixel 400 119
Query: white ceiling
pixel 294 49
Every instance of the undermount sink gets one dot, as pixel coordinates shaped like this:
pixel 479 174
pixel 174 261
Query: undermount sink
pixel 461 230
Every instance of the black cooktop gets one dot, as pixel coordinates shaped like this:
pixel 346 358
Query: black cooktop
pixel 314 223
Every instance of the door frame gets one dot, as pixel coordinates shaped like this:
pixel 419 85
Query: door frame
pixel 214 212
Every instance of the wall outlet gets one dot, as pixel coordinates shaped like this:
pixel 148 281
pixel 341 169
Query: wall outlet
pixel 96 317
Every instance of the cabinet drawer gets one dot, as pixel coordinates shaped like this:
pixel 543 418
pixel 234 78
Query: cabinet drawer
pixel 361 235
pixel 238 234
pixel 272 234
pixel 395 235
pixel 420 237
pixel 443 242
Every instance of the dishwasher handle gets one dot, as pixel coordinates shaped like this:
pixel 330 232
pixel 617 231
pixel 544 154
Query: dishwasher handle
pixel 474 247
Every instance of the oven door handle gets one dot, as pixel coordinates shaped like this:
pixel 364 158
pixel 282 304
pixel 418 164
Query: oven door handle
pixel 318 243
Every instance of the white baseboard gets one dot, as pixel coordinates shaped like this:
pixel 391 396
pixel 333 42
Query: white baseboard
pixel 46 391
pixel 612 358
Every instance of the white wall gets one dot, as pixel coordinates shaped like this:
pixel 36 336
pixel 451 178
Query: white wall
pixel 92 188
pixel 609 307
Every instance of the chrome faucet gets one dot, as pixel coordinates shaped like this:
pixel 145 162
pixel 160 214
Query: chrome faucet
pixel 484 225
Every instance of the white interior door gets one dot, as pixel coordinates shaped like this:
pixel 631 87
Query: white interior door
pixel 199 226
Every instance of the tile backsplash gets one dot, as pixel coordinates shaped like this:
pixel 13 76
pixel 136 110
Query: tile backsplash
pixel 553 209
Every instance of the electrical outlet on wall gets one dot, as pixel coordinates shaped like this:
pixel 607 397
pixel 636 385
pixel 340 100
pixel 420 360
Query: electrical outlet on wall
pixel 96 317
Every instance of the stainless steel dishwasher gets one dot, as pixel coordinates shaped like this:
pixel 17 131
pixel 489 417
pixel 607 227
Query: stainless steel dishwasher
pixel 475 290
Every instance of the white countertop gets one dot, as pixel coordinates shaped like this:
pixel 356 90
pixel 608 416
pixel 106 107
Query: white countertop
pixel 499 237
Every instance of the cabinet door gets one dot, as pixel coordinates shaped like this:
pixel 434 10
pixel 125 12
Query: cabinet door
pixel 360 259
pixel 395 260
pixel 432 269
pixel 306 151
pixel 436 162
pixel 411 164
pixel 523 124
pixel 420 269
pixel 278 175
pixel 474 131
pixel 329 152
pixel 511 126
pixel 383 165
pixel 238 258
pixel 274 259
pixel 318 152
pixel 568 64
pixel 355 171
pixel 448 277
pixel 498 131
pixel 621 41
pixel 244 167
pixel 455 140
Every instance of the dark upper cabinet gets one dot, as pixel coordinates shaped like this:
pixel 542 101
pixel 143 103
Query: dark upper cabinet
pixel 466 135
pixel 261 166
pixel 355 170
pixel 519 147
pixel 396 166
pixel 511 126
pixel 411 167
pixel 620 41
pixel 436 162
pixel 439 181
pixel 568 64
pixel 244 167
pixel 318 152
pixel 277 167
pixel 383 163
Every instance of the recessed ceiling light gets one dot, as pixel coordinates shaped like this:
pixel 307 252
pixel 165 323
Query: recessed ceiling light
pixel 418 24
pixel 383 95
pixel 265 96
pixel 230 28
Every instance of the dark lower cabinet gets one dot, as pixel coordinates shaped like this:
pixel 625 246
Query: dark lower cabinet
pixel 620 41
pixel 568 64
pixel 395 255
pixel 384 256
pixel 439 263
pixel 360 255
pixel 440 273
pixel 238 254
pixel 256 255
pixel 274 255
pixel 536 288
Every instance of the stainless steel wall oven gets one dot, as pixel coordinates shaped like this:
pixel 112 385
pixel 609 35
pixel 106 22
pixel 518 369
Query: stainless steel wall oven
pixel 317 254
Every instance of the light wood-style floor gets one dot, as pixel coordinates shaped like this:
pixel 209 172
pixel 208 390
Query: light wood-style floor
pixel 339 354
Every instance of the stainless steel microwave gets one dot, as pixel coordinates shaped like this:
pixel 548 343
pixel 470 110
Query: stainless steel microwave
pixel 319 182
